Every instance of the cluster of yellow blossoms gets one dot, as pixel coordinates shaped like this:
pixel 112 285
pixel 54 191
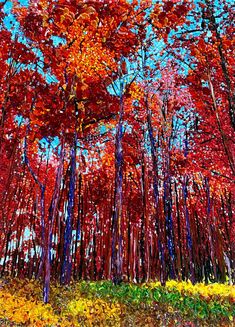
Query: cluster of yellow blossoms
pixel 209 291
pixel 22 311
pixel 24 307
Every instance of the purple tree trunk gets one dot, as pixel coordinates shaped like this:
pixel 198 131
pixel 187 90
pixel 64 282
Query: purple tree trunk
pixel 116 258
pixel 67 258
pixel 52 214
pixel 161 247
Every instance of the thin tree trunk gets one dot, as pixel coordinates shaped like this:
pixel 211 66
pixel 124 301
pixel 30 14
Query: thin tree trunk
pixel 67 260
pixel 51 219
pixel 161 246
pixel 117 255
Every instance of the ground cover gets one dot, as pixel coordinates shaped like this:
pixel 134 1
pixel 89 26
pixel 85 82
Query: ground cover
pixel 104 304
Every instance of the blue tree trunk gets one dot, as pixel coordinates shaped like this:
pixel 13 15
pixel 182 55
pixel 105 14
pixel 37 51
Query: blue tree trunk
pixel 67 256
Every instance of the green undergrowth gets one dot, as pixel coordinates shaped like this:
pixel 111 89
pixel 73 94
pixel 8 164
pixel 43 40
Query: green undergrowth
pixel 191 304
pixel 101 303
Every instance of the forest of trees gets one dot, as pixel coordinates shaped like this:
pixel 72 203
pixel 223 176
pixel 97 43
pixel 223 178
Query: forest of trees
pixel 117 140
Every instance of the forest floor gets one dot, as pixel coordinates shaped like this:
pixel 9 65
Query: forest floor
pixel 103 304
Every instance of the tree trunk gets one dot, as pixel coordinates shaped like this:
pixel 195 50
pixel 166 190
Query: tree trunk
pixel 116 257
